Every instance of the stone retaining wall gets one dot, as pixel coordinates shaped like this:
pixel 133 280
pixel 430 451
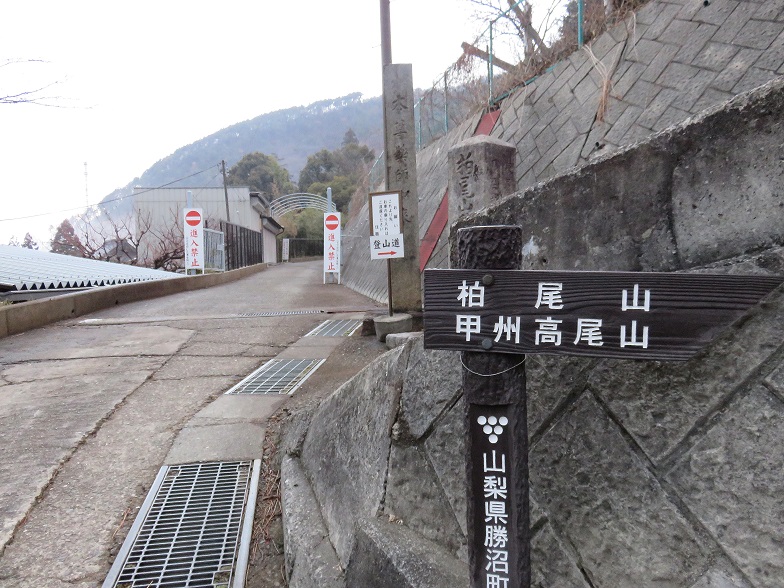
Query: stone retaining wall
pixel 671 60
pixel 642 473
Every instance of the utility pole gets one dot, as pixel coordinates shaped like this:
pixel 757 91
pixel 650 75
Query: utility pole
pixel 226 240
pixel 86 196
pixel 386 59
pixel 386 37
pixel 225 190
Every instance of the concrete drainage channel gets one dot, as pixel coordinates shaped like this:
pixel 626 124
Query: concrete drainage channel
pixel 194 527
pixel 278 376
pixel 336 328
pixel 190 531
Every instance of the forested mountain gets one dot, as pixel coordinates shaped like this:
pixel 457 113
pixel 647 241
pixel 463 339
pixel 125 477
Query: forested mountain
pixel 291 134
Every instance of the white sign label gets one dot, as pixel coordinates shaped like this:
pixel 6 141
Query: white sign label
pixel 386 214
pixel 193 232
pixel 389 247
pixel 332 243
pixel 285 250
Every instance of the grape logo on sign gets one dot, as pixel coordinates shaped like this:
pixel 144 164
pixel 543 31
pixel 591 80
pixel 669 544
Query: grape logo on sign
pixel 492 427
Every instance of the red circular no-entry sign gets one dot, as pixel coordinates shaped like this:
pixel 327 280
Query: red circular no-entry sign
pixel 331 222
pixel 193 218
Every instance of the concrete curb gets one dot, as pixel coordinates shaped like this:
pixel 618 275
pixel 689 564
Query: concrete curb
pixel 306 534
pixel 19 318
pixel 387 555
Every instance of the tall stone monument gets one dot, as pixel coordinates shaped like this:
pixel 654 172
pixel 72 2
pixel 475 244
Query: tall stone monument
pixel 400 155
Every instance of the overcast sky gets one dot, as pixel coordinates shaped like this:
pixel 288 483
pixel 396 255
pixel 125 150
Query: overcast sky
pixel 137 80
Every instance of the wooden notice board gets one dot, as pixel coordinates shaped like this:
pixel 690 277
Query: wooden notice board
pixel 658 316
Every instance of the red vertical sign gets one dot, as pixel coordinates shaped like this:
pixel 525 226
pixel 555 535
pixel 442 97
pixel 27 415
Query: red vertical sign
pixel 332 244
pixel 193 232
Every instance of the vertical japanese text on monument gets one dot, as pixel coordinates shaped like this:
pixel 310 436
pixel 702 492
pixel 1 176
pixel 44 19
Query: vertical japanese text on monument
pixel 547 328
pixel 400 148
pixel 468 173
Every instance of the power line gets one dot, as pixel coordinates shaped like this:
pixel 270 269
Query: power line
pixel 106 201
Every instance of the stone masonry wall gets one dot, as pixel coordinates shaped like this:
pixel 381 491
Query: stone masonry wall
pixel 642 473
pixel 670 61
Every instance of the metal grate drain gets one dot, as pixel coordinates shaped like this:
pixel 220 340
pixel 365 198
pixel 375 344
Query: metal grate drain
pixel 187 533
pixel 336 328
pixel 278 313
pixel 277 376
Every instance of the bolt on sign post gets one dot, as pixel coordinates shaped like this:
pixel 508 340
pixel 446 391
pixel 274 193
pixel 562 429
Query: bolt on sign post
pixel 494 313
pixel 386 231
pixel 193 233
pixel 332 245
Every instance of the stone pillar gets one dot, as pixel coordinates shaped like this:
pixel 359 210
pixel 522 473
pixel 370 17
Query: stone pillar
pixel 400 155
pixel 481 171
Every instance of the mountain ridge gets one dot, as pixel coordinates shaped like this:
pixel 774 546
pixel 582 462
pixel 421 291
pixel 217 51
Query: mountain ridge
pixel 291 134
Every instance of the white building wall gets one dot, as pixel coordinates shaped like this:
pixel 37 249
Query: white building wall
pixel 163 205
pixel 161 202
pixel 270 247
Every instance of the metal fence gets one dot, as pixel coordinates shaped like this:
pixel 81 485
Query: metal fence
pixel 517 46
pixel 214 251
pixel 244 247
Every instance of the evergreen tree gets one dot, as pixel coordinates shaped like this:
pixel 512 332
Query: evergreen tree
pixel 66 242
pixel 263 173
pixel 29 242
pixel 343 169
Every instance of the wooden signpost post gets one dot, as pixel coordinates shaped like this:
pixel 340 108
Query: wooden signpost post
pixel 495 313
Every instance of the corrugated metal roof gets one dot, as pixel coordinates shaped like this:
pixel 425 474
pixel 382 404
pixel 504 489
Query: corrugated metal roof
pixel 26 269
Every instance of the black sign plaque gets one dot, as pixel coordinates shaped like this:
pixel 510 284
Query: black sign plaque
pixel 494 472
pixel 659 316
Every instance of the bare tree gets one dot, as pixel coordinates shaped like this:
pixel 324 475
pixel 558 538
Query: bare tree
pixel 519 16
pixel 107 237
pixel 164 246
pixel 554 39
pixel 133 239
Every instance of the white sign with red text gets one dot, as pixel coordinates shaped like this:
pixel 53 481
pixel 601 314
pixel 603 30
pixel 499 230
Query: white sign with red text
pixel 389 247
pixel 193 231
pixel 332 243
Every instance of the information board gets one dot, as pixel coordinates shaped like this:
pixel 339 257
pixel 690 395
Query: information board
pixel 386 239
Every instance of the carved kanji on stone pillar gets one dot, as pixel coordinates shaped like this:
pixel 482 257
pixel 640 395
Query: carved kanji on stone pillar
pixel 481 171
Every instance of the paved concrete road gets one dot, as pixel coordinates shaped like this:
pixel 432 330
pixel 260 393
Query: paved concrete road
pixel 91 408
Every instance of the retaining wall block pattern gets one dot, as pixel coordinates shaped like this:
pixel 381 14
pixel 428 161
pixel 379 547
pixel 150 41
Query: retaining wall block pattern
pixel 432 384
pixel 414 496
pixel 740 179
pixel 659 403
pixel 732 478
pixel 609 505
pixel 550 566
pixel 670 61
pixel 642 474
pixel 446 450
pixel 346 450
